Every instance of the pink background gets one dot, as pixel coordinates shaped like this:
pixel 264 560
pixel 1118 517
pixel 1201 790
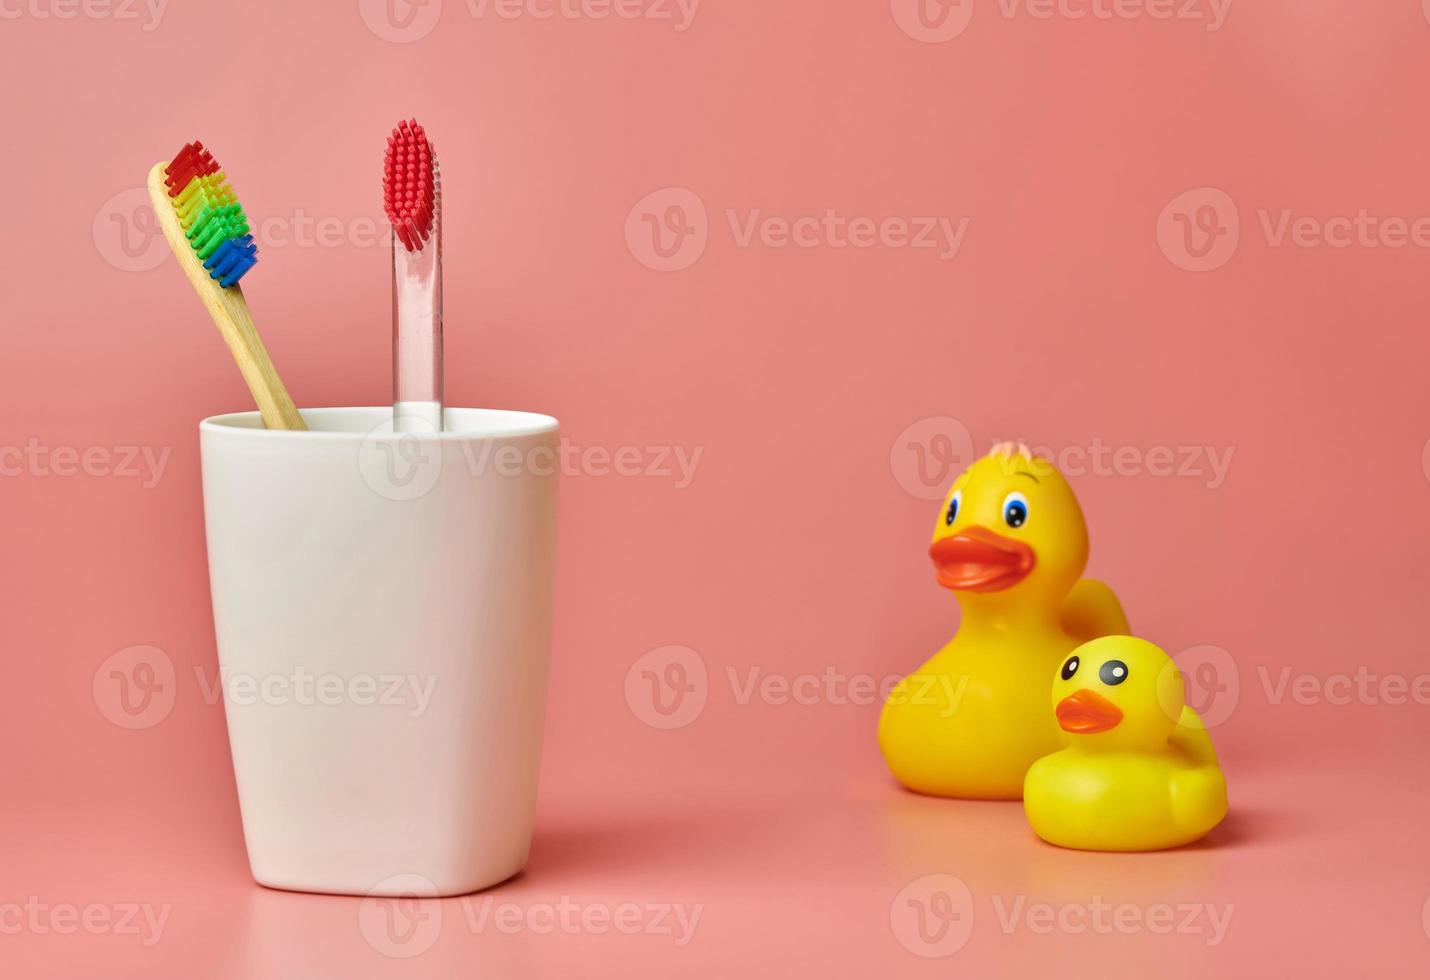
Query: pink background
pixel 1074 315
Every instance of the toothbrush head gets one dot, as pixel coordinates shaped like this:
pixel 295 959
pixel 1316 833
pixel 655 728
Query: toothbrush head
pixel 212 219
pixel 409 185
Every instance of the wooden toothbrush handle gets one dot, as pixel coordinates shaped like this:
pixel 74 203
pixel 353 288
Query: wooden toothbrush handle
pixel 230 314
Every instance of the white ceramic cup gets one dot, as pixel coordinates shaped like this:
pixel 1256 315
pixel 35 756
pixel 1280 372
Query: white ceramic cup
pixel 382 603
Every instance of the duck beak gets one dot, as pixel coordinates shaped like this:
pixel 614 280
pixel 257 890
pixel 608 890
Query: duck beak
pixel 1086 712
pixel 977 560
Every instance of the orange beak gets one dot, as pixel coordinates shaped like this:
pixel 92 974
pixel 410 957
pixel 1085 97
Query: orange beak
pixel 977 560
pixel 1086 712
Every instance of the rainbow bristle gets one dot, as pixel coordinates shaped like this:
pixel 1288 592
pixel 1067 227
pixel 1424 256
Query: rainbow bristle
pixel 190 162
pixel 232 259
pixel 209 212
pixel 211 191
pixel 216 226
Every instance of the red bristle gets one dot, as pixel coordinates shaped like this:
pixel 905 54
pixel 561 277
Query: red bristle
pixel 190 162
pixel 408 194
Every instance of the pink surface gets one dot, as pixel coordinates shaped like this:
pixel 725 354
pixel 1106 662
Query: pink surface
pixel 1159 235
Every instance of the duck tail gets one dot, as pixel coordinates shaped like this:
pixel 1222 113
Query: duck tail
pixel 1190 736
pixel 1198 799
pixel 1091 610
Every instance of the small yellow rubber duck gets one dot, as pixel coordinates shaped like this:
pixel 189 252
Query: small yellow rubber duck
pixel 1140 773
pixel 1011 544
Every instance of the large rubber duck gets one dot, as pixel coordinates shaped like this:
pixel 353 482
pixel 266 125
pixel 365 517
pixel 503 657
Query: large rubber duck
pixel 1011 545
pixel 1139 773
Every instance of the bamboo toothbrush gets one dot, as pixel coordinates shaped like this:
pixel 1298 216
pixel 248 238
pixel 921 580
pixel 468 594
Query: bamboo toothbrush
pixel 412 198
pixel 209 236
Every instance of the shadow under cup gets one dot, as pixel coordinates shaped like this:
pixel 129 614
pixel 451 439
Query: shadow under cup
pixel 382 604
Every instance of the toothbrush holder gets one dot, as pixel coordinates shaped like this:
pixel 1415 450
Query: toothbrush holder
pixel 382 604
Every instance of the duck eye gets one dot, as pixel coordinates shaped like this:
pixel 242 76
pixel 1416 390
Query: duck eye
pixel 1071 667
pixel 953 503
pixel 1113 672
pixel 1015 509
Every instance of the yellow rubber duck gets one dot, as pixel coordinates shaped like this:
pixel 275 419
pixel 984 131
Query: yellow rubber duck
pixel 1140 773
pixel 1011 544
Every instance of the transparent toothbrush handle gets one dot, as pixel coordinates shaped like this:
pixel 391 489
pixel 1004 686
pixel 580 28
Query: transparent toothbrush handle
pixel 417 332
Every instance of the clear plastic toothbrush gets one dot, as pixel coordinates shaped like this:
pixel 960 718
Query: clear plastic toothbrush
pixel 412 197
